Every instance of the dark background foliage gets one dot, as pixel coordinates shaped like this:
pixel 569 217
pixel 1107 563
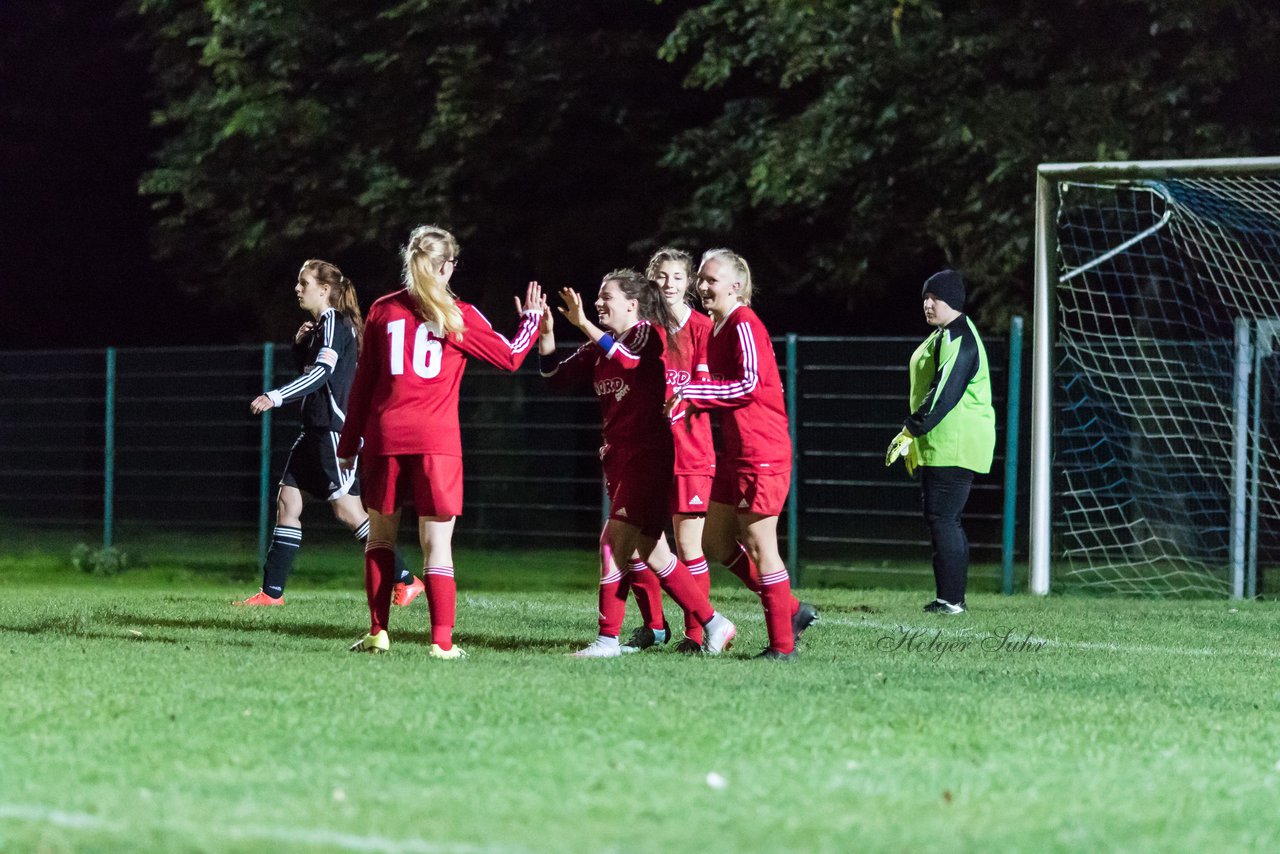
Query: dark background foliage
pixel 168 164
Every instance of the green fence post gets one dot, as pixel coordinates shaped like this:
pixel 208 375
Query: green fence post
pixel 109 452
pixel 264 457
pixel 793 496
pixel 1014 404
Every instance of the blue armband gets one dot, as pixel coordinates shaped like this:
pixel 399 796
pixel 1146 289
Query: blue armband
pixel 606 342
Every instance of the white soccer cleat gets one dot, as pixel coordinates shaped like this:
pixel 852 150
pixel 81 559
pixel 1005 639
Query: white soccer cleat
pixel 451 654
pixel 600 648
pixel 380 642
pixel 719 635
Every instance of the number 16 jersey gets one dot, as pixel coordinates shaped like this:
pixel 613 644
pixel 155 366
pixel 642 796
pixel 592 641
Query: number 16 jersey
pixel 404 399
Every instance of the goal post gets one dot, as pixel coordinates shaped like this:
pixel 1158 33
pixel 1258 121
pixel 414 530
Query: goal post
pixel 1154 451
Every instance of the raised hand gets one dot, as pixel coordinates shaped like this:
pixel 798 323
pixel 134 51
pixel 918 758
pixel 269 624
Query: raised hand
pixel 573 307
pixel 303 331
pixel 534 300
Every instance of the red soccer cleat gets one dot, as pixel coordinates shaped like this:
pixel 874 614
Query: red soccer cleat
pixel 260 598
pixel 405 593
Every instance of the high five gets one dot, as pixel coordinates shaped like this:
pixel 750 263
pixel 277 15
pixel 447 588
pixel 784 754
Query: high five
pixel 403 422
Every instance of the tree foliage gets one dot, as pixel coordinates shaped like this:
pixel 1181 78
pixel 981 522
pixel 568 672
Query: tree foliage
pixel 847 147
pixel 324 128
pixel 862 143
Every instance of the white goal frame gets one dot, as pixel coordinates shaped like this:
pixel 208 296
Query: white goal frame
pixel 1046 282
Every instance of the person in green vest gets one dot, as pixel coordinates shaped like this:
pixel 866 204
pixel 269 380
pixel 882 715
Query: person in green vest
pixel 950 434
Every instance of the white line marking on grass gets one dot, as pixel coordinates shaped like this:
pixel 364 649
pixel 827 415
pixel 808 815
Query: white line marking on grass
pixel 1141 649
pixel 44 815
pixel 289 835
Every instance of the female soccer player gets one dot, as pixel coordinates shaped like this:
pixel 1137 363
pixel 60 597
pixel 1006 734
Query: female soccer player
pixel 753 468
pixel 951 432
pixel 672 270
pixel 325 349
pixel 625 369
pixel 403 421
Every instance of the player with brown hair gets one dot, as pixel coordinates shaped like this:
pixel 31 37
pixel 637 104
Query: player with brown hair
pixel 325 349
pixel 623 365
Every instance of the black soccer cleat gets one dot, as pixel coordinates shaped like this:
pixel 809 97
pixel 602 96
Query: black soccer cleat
pixel 689 646
pixel 772 654
pixel 643 638
pixel 804 617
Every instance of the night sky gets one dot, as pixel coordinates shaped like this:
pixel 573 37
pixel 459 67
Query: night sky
pixel 74 137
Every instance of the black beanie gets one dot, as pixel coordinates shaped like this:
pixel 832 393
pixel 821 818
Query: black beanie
pixel 948 286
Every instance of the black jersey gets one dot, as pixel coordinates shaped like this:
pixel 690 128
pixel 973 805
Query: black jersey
pixel 326 360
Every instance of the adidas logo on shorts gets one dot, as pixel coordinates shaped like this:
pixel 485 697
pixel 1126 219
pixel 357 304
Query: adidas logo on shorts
pixel 622 511
pixel 742 505
pixel 695 500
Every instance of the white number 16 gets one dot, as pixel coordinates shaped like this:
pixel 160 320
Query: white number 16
pixel 426 348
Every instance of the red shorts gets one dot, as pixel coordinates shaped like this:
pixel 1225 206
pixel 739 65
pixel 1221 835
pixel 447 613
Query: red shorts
pixel 752 491
pixel 638 485
pixel 690 493
pixel 431 482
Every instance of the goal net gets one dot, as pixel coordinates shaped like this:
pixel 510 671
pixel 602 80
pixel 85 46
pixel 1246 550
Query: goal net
pixel 1164 466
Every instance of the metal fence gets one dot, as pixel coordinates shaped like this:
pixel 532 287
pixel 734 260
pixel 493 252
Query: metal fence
pixel 124 445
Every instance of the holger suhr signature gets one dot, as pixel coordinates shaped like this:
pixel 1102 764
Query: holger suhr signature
pixel 933 642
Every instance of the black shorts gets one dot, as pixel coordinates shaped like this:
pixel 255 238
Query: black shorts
pixel 313 467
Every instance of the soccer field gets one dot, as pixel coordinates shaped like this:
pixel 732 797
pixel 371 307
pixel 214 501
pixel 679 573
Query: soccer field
pixel 144 714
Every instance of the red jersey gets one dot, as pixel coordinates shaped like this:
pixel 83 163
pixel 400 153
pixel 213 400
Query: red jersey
pixel 405 396
pixel 686 360
pixel 630 383
pixel 744 387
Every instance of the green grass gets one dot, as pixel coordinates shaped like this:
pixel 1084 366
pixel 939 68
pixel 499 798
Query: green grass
pixel 141 713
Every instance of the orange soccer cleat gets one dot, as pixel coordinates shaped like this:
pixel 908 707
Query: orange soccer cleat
pixel 403 594
pixel 260 598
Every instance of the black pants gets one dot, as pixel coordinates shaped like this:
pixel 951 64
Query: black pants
pixel 943 492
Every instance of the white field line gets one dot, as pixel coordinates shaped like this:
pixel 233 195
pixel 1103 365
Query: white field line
pixel 286 835
pixel 487 603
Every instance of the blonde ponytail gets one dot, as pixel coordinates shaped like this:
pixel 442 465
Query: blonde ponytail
pixel 428 249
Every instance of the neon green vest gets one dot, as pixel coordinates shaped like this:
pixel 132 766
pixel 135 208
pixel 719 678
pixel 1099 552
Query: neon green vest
pixel 966 435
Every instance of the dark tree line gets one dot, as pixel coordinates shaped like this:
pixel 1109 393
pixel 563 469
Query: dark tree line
pixel 847 148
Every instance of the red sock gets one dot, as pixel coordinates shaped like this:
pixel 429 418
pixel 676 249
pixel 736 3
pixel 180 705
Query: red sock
pixel 681 587
pixel 442 602
pixel 612 606
pixel 775 596
pixel 648 592
pixel 379 579
pixel 624 593
pixel 745 568
pixel 702 578
pixel 741 565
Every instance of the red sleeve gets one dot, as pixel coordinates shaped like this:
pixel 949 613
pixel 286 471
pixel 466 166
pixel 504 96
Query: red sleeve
pixel 481 340
pixel 627 356
pixel 735 390
pixel 371 356
pixel 698 369
pixel 575 372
